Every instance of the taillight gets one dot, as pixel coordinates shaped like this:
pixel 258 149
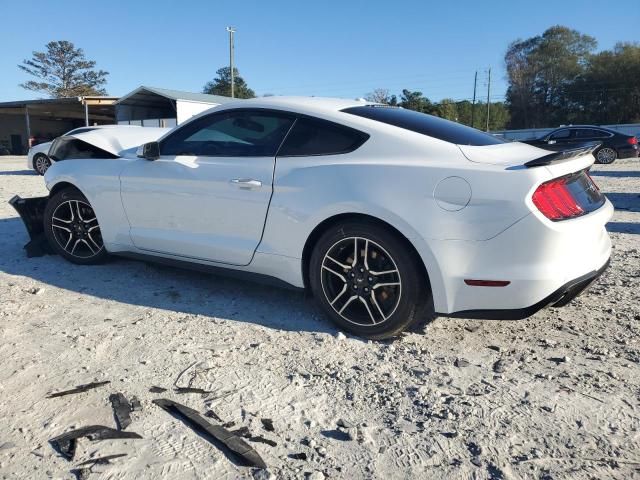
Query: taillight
pixel 555 200
pixel 632 140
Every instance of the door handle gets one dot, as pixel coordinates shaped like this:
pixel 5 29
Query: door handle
pixel 246 182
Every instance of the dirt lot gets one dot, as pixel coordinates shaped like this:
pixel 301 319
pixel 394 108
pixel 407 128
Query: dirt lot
pixel 555 396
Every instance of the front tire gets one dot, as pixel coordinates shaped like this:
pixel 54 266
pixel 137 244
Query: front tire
pixel 72 229
pixel 606 155
pixel 366 279
pixel 41 163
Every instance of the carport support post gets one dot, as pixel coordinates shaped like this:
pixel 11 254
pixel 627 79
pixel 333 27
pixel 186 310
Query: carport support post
pixel 26 118
pixel 86 112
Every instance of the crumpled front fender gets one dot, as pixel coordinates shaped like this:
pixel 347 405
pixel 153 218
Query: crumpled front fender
pixel 31 211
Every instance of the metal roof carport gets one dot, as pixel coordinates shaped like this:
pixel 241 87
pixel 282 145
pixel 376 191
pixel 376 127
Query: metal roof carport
pixel 44 120
pixel 160 107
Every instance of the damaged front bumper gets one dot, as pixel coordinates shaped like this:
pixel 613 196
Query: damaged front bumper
pixel 31 211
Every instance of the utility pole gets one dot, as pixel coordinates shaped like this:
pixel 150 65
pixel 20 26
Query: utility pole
pixel 473 105
pixel 488 98
pixel 231 31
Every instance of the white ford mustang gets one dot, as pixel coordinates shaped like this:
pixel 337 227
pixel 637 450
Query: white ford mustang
pixel 377 210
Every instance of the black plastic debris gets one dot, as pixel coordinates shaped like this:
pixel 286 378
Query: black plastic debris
pixel 181 390
pixel 212 414
pixel 136 406
pixel 78 389
pixel 242 432
pixel 81 473
pixel 31 211
pixel 196 421
pixel 298 456
pixel 102 460
pixel 155 389
pixel 336 435
pixel 66 443
pixel 121 410
pixel 267 424
pixel 261 439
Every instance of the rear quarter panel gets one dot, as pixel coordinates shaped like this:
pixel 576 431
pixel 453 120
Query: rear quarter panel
pixel 397 188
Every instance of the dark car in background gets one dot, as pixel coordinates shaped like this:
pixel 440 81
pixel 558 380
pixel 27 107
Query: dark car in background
pixel 613 144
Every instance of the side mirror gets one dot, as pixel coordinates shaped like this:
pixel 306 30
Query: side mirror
pixel 149 151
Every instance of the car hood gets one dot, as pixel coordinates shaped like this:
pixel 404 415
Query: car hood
pixel 110 142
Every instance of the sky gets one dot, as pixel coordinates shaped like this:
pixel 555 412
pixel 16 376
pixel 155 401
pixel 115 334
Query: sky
pixel 324 48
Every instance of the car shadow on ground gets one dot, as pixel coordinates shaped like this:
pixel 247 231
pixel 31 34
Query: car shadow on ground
pixel 161 287
pixel 17 172
pixel 615 173
pixel 623 227
pixel 625 201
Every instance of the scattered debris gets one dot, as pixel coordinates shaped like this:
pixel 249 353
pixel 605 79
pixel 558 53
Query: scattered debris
pixel 261 439
pixel 136 406
pixel 298 456
pixel 267 424
pixel 263 474
pixel 344 423
pixel 336 435
pixel 81 473
pixel 181 390
pixel 461 362
pixel 155 389
pixel 241 432
pixel 121 410
pixel 66 443
pixel 212 414
pixel 78 389
pixel 102 460
pixel 199 423
pixel 502 365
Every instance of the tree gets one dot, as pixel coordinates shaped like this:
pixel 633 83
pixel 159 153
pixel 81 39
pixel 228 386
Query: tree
pixel 414 100
pixel 541 70
pixel 379 95
pixel 609 90
pixel 63 71
pixel 221 85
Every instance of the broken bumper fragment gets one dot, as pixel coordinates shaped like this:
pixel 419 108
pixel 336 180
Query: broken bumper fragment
pixel 31 211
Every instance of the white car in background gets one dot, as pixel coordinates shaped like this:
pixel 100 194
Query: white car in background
pixel 38 156
pixel 376 210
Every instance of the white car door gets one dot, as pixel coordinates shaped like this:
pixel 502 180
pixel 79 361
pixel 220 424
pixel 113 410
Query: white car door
pixel 207 195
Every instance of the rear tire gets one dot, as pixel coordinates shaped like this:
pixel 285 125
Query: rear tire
pixel 41 163
pixel 606 156
pixel 72 229
pixel 367 279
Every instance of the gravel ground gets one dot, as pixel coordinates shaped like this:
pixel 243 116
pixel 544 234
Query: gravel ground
pixel 554 396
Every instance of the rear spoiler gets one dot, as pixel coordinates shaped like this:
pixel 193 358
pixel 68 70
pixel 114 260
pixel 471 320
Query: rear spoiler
pixel 563 155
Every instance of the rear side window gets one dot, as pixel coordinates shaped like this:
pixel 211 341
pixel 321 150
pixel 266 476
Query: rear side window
pixel 312 136
pixel 591 133
pixel 428 125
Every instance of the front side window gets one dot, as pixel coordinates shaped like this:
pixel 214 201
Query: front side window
pixel 235 133
pixel 428 125
pixel 560 134
pixel 312 136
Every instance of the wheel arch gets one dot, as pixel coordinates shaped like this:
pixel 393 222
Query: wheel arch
pixel 327 223
pixel 62 185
